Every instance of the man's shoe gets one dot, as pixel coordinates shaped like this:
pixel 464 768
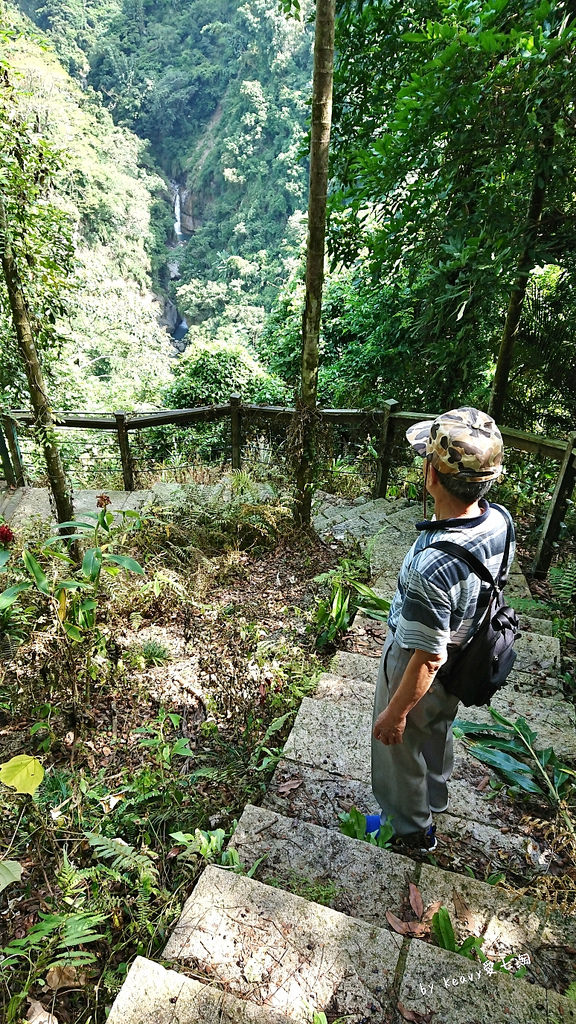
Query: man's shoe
pixel 424 841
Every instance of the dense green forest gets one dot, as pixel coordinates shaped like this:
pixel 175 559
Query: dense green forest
pixel 451 207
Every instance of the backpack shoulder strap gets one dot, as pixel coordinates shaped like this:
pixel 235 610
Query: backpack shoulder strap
pixel 475 564
pixel 478 567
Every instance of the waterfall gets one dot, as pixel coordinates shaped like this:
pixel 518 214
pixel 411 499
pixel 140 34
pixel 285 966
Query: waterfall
pixel 177 211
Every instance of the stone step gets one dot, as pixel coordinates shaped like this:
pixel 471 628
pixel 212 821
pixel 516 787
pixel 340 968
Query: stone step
pixel 364 882
pixel 9 504
pixel 284 953
pixel 331 742
pixel 535 652
pixel 280 951
pixel 35 502
pixel 151 994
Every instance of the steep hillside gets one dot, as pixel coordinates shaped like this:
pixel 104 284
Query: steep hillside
pixel 108 195
pixel 220 90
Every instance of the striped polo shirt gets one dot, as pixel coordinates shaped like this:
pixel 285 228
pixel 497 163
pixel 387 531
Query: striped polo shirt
pixel 437 599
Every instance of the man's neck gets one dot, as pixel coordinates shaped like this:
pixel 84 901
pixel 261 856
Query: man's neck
pixel 448 507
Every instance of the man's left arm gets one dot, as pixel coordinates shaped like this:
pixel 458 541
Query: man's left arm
pixel 417 679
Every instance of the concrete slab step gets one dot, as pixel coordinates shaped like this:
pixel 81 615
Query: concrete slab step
pixel 532 624
pixel 447 989
pixel 335 739
pixel 9 503
pixel 282 952
pixel 364 882
pixel 553 719
pixel 152 994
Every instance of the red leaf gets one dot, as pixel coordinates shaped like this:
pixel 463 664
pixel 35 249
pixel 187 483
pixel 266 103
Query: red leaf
pixel 416 901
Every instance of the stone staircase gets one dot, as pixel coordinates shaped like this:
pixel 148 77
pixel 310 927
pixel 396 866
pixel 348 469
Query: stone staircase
pixel 266 949
pixel 263 948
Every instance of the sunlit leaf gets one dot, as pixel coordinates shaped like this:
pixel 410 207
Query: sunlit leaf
pixel 22 773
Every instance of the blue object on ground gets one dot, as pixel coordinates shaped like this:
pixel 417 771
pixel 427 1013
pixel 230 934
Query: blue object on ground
pixel 373 824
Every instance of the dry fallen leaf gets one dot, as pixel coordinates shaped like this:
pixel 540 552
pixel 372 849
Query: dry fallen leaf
pixel 38 1015
pixel 463 912
pixel 413 1015
pixel 416 901
pixel 64 977
pixel 286 787
pixel 482 785
pixel 431 910
pixel 415 928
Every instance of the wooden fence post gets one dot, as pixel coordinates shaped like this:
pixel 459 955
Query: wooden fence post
pixel 122 431
pixel 9 474
pixel 236 431
pixel 13 444
pixel 556 510
pixel 385 448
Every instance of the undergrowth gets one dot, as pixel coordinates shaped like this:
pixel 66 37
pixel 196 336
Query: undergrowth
pixel 158 710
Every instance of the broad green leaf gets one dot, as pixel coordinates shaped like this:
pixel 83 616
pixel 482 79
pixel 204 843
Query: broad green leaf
pixel 443 929
pixel 72 585
pixel 4 558
pixel 181 748
pixel 514 771
pixel 125 562
pixel 10 871
pixel 22 773
pixel 477 727
pixel 521 726
pixel 92 563
pixel 275 726
pixel 72 631
pixel 36 572
pixel 76 523
pixel 500 718
pixel 7 597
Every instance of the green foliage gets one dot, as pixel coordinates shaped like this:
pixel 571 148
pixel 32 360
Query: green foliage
pixel 346 596
pixel 353 824
pixel 22 773
pixel 210 372
pixel 444 933
pixel 155 653
pixel 510 748
pixel 323 892
pixel 88 172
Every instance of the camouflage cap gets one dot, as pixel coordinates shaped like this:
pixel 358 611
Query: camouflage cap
pixel 464 441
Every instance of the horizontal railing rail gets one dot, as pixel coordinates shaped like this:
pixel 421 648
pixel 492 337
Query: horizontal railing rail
pixel 388 422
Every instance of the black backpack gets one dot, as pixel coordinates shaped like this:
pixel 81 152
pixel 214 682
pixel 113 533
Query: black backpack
pixel 478 668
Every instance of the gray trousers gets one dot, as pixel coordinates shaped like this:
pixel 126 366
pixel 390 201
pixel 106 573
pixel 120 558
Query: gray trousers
pixel 410 777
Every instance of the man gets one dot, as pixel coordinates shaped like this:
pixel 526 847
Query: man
pixel 437 604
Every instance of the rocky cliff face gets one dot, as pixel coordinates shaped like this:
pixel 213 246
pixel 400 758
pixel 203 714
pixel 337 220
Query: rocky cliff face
pixel 189 208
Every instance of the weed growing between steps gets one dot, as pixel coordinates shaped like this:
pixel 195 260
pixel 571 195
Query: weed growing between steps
pixel 155 723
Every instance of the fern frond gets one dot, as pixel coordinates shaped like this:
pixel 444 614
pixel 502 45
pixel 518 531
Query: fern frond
pixel 123 856
pixel 562 579
pixel 70 879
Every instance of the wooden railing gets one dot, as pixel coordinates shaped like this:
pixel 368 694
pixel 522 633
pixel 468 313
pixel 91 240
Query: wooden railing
pixel 389 423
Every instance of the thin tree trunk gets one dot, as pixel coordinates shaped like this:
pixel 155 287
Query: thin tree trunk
pixel 44 423
pixel 526 264
pixel 317 193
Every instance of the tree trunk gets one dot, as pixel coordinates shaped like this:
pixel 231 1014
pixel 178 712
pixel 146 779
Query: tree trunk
pixel 317 193
pixel 526 263
pixel 44 423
